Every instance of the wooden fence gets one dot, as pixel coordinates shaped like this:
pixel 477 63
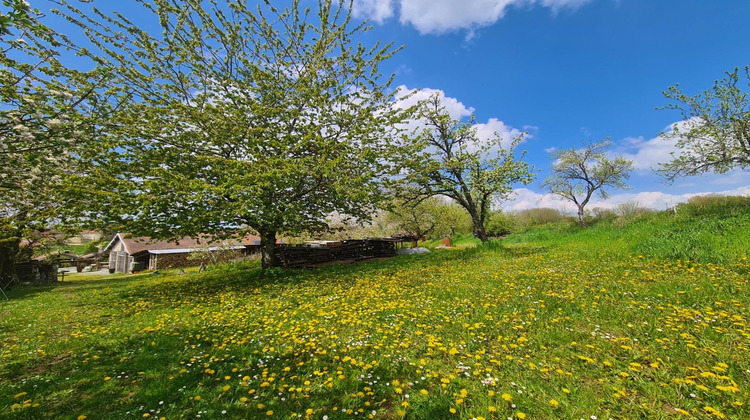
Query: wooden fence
pixel 309 256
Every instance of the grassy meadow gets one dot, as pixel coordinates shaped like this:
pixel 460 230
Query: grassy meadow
pixel 641 317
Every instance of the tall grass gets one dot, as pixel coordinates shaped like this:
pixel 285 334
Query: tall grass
pixel 705 229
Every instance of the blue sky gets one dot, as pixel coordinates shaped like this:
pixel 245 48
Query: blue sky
pixel 571 71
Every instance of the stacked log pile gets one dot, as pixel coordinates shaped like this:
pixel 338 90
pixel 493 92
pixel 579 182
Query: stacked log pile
pixel 312 255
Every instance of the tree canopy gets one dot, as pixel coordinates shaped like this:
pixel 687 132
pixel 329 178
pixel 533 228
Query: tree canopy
pixel 241 119
pixel 579 173
pixel 48 115
pixel 455 163
pixel 715 133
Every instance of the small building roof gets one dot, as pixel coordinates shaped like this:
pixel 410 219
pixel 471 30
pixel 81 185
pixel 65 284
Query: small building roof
pixel 57 256
pixel 138 244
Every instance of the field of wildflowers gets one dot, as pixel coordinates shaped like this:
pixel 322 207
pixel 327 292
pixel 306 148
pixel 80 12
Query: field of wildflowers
pixel 519 331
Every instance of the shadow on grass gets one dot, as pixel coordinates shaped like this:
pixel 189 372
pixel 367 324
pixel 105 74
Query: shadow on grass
pixel 26 291
pixel 243 276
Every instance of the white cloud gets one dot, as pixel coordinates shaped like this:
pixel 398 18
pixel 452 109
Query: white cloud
pixel 457 110
pixel 494 127
pixel 441 16
pixel 524 198
pixel 377 10
pixel 648 154
pixel 657 200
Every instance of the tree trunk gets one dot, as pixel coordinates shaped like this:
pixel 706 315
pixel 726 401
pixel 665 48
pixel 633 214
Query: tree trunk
pixel 268 258
pixel 479 230
pixel 8 251
pixel 581 221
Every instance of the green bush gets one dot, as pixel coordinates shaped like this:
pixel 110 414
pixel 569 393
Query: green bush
pixel 538 217
pixel 630 209
pixel 713 204
pixel 501 224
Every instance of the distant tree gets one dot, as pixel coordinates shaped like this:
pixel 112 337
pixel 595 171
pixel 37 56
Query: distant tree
pixel 243 118
pixel 416 218
pixel 715 136
pixel 452 220
pixel 579 173
pixel 455 163
pixel 500 223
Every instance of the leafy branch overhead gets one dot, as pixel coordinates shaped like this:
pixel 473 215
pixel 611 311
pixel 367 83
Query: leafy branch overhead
pixel 49 116
pixel 715 133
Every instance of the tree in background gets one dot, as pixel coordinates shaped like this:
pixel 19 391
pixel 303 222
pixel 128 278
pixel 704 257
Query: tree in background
pixel 452 220
pixel 259 119
pixel 417 219
pixel 455 163
pixel 48 114
pixel 579 173
pixel 501 223
pixel 715 136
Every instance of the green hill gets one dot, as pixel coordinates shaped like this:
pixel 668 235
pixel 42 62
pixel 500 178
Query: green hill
pixel 644 317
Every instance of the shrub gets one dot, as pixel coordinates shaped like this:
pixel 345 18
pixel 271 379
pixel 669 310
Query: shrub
pixel 91 247
pixel 601 214
pixel 715 204
pixel 501 224
pixel 539 216
pixel 630 209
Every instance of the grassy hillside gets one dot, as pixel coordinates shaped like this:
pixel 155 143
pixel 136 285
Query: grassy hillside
pixel 707 230
pixel 644 319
